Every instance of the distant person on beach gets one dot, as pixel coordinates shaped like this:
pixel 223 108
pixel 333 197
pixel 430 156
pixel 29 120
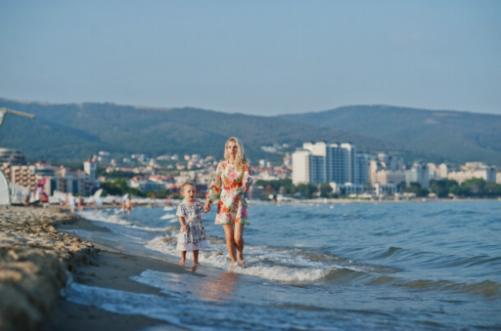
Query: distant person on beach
pixel 44 199
pixel 192 235
pixel 127 204
pixel 80 203
pixel 228 189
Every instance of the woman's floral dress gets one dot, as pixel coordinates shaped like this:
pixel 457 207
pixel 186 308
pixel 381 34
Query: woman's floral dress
pixel 228 189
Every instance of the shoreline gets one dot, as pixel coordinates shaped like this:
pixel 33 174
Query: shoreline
pixel 109 269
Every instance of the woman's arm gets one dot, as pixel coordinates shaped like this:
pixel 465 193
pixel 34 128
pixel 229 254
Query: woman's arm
pixel 214 190
pixel 246 178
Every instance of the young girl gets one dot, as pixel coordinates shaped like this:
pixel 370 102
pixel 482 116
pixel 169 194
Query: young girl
pixel 192 233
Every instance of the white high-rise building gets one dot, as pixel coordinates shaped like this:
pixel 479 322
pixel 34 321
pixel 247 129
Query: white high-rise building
pixel 443 170
pixel 418 174
pixel 90 169
pixel 301 166
pixel 348 168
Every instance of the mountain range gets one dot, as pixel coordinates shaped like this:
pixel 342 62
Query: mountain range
pixel 72 132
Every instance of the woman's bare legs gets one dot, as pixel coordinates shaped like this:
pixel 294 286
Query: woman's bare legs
pixel 230 244
pixel 195 257
pixel 239 242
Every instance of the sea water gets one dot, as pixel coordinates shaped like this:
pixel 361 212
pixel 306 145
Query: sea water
pixel 360 266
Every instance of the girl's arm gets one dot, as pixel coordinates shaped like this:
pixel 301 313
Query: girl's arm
pixel 182 223
pixel 181 216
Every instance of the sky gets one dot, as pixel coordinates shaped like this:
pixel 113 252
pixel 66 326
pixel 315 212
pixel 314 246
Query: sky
pixel 257 57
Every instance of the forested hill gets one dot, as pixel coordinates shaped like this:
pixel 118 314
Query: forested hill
pixel 74 131
pixel 66 132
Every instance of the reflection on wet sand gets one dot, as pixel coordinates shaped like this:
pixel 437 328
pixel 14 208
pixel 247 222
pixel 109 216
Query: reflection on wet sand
pixel 218 288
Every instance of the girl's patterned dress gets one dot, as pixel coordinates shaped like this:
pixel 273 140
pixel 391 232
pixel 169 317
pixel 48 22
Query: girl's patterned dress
pixel 194 238
pixel 228 189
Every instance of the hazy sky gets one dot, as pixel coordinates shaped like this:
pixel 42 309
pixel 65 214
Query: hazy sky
pixel 259 57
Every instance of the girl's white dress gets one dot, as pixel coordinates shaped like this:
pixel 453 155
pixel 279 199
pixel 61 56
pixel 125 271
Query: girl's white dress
pixel 194 238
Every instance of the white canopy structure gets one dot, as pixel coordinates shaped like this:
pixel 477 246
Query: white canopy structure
pixel 5 111
pixel 4 191
pixel 4 185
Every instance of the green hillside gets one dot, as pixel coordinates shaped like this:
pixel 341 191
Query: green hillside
pixel 74 131
pixel 71 132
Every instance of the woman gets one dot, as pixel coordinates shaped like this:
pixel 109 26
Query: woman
pixel 228 188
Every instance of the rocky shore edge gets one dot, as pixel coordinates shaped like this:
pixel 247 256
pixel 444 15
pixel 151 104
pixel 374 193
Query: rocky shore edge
pixel 34 262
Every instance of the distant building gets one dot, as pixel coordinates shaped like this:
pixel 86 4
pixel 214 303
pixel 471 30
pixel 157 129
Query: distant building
pixel 443 170
pixel 418 174
pixel 474 170
pixel 362 165
pixel 301 166
pixel 385 170
pixel 12 157
pixel 90 169
pixel 319 162
pixel 22 175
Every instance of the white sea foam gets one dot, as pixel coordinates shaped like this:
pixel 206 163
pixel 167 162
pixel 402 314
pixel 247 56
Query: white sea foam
pixel 101 216
pixel 169 217
pixel 117 218
pixel 262 262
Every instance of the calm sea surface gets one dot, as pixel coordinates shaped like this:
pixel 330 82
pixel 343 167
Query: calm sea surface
pixel 359 266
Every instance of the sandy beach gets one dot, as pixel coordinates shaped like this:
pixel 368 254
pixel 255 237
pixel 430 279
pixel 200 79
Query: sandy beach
pixel 37 261
pixel 34 263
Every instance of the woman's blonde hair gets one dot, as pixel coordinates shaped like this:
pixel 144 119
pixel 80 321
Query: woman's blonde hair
pixel 240 157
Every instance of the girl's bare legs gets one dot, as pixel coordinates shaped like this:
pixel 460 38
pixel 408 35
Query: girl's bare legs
pixel 230 244
pixel 182 259
pixel 195 261
pixel 195 257
pixel 239 242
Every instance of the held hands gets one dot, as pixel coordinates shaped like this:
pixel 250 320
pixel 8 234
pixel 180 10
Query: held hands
pixel 207 206
pixel 184 229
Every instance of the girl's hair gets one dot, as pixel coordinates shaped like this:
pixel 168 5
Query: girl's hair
pixel 240 157
pixel 183 187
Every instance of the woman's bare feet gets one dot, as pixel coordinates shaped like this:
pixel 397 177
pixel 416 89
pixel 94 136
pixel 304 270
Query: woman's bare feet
pixel 240 259
pixel 194 267
pixel 182 262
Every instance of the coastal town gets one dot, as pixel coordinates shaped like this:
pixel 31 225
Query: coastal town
pixel 315 170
